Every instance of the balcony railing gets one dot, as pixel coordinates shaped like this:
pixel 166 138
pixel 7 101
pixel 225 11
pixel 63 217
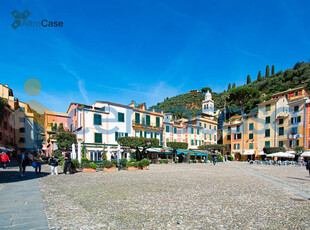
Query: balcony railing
pixel 146 124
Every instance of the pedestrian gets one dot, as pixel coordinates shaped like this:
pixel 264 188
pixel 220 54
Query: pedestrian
pixel 308 166
pixel 22 160
pixel 38 160
pixel 54 164
pixel 214 160
pixel 68 163
pixel 4 159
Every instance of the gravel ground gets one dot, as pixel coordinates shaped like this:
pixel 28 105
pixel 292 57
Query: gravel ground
pixel 179 196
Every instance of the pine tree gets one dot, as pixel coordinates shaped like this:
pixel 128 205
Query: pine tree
pixel 248 80
pixel 234 85
pixel 272 70
pixel 229 87
pixel 267 71
pixel 259 76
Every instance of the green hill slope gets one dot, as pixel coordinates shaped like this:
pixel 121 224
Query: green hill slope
pixel 190 103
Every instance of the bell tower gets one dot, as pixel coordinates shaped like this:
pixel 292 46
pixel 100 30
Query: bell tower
pixel 208 104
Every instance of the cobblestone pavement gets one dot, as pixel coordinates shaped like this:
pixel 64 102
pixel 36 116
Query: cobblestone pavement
pixel 230 195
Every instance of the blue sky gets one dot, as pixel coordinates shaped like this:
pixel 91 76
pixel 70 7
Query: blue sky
pixel 144 50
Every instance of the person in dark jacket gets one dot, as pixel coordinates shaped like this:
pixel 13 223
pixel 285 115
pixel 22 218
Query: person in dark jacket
pixel 23 161
pixel 54 165
pixel 308 166
pixel 68 163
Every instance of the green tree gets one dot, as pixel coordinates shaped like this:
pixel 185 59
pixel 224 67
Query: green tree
pixel 229 87
pixel 206 89
pixel 267 71
pixel 65 140
pixel 272 70
pixel 61 127
pixel 259 76
pixel 3 104
pixel 137 143
pixel 234 86
pixel 248 80
pixel 242 95
pixel 177 145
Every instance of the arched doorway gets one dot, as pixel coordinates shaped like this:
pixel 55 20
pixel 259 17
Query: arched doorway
pixel 238 156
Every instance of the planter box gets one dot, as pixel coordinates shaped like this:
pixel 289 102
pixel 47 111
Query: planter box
pixel 143 167
pixel 112 169
pixel 132 169
pixel 89 170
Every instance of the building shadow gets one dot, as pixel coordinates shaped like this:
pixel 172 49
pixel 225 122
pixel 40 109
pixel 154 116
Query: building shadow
pixel 296 178
pixel 11 175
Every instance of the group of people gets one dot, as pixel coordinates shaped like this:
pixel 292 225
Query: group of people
pixel 25 158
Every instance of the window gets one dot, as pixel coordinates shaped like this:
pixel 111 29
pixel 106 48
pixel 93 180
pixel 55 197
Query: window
pixel 210 137
pixel 192 142
pixel 22 140
pixel 296 108
pixel 192 130
pixel 200 124
pixel 167 129
pixel 205 125
pixel 236 146
pixel 97 119
pixel 228 137
pixel 280 143
pixel 267 144
pixel 214 127
pixel 267 120
pixel 98 137
pixel 296 93
pixel 197 131
pixel 137 118
pixel 295 120
pixel 196 142
pixel 157 122
pixel 214 137
pixel 5 125
pixel 0 136
pixel 148 120
pixel 175 130
pixel 251 126
pixel 22 130
pixel 294 130
pixel 238 128
pixel 210 127
pixel 151 135
pixel 251 136
pixel 267 133
pixel 281 122
pixel 121 117
pixel 294 143
pixel 141 133
pixel 268 107
pixel 238 136
pixel 281 131
pixel 251 145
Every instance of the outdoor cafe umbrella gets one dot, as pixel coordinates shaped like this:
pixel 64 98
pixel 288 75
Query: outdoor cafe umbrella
pixel 261 153
pixel 306 154
pixel 281 154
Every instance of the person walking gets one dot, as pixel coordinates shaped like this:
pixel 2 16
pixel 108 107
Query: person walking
pixel 38 160
pixel 22 160
pixel 54 165
pixel 4 159
pixel 308 166
pixel 68 163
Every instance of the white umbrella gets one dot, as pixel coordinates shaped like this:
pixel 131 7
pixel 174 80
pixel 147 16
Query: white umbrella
pixel 79 152
pixel 306 154
pixel 248 152
pixel 109 153
pixel 281 154
pixel 73 153
pixel 291 152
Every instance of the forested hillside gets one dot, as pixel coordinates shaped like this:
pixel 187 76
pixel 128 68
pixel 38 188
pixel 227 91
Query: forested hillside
pixel 272 83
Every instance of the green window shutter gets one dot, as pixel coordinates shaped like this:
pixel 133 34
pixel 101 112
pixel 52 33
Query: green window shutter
pixel 251 145
pixel 205 125
pixel 161 137
pixel 210 137
pixel 116 136
pixel 167 128
pixel 214 127
pixel 148 120
pixel 192 142
pixel 192 130
pixel 210 127
pixel 151 135
pixel 141 133
pixel 137 118
pixel 157 122
pixel 214 137
pixel 175 130
pixel 198 131
pixel 267 144
pixel 97 119
pixel 98 137
pixel 155 135
pixel 205 136
pixel 126 134
pixel 144 134
pixel 121 117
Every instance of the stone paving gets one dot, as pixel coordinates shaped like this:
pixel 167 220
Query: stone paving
pixel 21 205
pixel 230 195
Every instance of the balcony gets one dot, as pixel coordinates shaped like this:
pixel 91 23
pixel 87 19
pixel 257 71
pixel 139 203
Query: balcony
pixel 146 125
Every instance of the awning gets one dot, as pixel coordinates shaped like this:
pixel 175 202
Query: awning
pixel 261 153
pixel 192 153
pixel 281 154
pixel 291 152
pixel 248 152
pixel 306 154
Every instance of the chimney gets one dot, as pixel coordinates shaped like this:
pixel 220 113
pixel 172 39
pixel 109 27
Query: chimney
pixel 6 85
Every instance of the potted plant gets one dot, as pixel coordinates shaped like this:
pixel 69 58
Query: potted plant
pixel 144 163
pixel 75 165
pixel 166 161
pixel 123 162
pixel 108 166
pixel 130 166
pixel 89 167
